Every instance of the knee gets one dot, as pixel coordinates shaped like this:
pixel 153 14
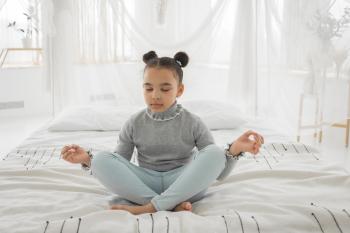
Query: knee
pixel 213 154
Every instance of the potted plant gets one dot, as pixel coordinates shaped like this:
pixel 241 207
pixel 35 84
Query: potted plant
pixel 27 31
pixel 327 28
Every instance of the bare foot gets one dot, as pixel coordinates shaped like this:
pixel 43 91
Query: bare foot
pixel 148 208
pixel 184 206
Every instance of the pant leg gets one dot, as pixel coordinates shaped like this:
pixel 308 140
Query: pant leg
pixel 122 177
pixel 197 176
pixel 171 176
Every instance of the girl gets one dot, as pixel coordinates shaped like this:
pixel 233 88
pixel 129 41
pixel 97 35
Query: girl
pixel 178 159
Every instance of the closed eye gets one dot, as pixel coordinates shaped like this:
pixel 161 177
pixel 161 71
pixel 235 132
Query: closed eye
pixel 150 89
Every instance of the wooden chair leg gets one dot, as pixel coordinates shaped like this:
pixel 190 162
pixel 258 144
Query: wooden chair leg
pixel 300 116
pixel 347 133
pixel 320 122
pixel 316 118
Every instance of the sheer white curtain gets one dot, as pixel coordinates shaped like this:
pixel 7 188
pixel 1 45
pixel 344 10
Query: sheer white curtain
pixel 293 62
pixel 242 81
pixel 94 38
pixel 2 3
pixel 259 55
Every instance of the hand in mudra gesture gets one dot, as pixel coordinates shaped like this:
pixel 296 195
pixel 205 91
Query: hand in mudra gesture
pixel 250 141
pixel 75 154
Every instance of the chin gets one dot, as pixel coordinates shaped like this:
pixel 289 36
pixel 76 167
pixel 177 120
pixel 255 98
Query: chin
pixel 157 110
pixel 161 108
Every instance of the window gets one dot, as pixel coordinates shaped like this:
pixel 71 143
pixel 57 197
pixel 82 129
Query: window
pixel 20 30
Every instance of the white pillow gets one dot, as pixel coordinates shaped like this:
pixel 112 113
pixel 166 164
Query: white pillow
pixel 93 118
pixel 215 114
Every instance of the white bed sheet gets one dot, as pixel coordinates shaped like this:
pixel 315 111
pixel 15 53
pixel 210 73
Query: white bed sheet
pixel 288 187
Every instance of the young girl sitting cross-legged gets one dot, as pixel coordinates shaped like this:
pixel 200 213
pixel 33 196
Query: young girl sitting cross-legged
pixel 177 156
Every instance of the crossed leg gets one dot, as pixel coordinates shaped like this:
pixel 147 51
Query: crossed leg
pixel 142 186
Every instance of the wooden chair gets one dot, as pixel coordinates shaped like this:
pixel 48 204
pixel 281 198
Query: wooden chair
pixel 318 120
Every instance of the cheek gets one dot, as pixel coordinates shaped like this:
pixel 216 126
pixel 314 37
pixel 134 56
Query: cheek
pixel 146 94
pixel 170 95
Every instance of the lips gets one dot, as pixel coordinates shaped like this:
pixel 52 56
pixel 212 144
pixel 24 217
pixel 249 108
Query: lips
pixel 156 105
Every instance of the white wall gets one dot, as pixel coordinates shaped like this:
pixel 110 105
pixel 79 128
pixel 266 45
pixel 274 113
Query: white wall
pixel 28 85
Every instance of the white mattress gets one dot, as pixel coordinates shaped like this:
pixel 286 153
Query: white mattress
pixel 288 187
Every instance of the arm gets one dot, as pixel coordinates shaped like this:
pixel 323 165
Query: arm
pixel 202 135
pixel 238 147
pixel 76 154
pixel 126 144
pixel 250 141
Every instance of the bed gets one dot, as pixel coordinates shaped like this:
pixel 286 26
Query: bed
pixel 287 187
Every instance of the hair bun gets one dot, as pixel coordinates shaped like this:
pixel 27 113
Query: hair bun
pixel 181 58
pixel 149 56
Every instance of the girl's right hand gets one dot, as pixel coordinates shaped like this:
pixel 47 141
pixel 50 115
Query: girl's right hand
pixel 75 154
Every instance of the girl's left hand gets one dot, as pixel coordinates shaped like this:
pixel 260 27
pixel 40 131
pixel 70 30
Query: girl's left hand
pixel 250 141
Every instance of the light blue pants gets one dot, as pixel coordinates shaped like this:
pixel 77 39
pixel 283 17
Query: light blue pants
pixel 165 190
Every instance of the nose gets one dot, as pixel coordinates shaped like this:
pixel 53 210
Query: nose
pixel 156 95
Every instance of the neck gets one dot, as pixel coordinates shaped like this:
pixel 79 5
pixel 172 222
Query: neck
pixel 173 111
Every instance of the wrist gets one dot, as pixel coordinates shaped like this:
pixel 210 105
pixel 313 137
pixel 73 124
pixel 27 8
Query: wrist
pixel 87 161
pixel 233 150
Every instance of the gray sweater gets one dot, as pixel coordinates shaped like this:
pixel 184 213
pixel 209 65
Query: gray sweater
pixel 164 140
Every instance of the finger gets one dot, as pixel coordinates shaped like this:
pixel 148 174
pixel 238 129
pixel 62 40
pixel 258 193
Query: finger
pixel 64 149
pixel 257 139
pixel 257 150
pixel 250 133
pixel 70 158
pixel 72 150
pixel 251 148
pixel 260 139
pixel 65 155
pixel 253 151
pixel 257 146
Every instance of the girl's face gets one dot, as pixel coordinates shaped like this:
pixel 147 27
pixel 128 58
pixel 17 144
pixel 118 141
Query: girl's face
pixel 160 88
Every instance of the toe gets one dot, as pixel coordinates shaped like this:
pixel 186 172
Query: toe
pixel 187 205
pixel 116 207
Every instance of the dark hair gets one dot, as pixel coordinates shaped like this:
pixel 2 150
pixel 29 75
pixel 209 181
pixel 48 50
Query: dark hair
pixel 176 64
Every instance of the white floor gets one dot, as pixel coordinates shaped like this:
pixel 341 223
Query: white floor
pixel 15 129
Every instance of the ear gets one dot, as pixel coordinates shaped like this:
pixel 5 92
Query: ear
pixel 180 90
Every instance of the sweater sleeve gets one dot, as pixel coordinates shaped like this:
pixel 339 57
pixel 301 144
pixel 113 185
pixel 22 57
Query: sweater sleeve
pixel 202 135
pixel 230 164
pixel 125 146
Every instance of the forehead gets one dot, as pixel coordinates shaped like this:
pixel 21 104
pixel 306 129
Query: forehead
pixel 158 76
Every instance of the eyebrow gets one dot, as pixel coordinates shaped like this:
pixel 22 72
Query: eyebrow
pixel 162 84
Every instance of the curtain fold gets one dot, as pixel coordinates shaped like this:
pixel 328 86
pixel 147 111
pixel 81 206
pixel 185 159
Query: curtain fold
pixel 2 3
pixel 242 87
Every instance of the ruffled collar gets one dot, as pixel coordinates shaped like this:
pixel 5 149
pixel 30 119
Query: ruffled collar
pixel 169 114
